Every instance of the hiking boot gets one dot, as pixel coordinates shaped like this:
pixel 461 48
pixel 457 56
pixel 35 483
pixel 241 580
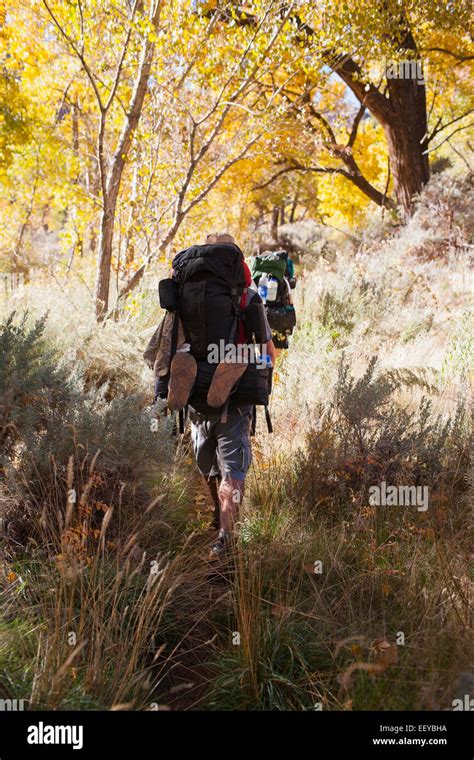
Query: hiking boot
pixel 223 381
pixel 221 545
pixel 182 376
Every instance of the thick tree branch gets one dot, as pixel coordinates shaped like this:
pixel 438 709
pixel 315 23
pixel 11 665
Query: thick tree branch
pixel 299 168
pixel 355 126
pixel 367 94
pixel 136 103
pixel 353 176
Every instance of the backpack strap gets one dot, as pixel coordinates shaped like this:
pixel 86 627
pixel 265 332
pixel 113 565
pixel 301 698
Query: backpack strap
pixel 225 411
pixel 254 420
pixel 174 345
pixel 174 336
pixel 235 297
pixel 182 414
pixel 269 420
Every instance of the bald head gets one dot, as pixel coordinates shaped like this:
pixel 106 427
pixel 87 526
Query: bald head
pixel 220 237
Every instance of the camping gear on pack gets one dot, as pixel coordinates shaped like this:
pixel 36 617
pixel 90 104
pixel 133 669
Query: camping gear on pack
pixel 167 294
pixel 282 319
pixel 157 354
pixel 209 281
pixel 271 266
pixel 182 374
pixel 272 288
pixel 269 262
pixel 290 269
pixel 263 288
pixel 225 377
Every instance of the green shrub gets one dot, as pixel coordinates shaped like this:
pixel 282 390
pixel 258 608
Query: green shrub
pixel 364 436
pixel 51 421
pixel 33 384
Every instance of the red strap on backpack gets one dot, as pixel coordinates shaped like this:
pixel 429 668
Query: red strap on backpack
pixel 240 337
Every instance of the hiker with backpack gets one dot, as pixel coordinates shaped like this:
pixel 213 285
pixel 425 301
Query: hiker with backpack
pixel 213 356
pixel 273 272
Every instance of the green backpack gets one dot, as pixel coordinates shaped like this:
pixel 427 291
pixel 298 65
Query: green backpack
pixel 281 315
pixel 273 263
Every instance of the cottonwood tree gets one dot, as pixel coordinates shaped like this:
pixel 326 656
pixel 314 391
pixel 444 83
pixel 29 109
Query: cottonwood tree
pixel 397 41
pixel 204 121
pixel 195 88
pixel 85 26
pixel 399 36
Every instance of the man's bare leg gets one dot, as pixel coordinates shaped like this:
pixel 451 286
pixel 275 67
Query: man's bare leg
pixel 231 493
pixel 213 482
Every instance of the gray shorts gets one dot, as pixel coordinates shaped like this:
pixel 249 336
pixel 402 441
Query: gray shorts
pixel 222 448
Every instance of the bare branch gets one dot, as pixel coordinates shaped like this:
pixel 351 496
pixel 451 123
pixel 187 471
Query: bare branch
pixel 78 53
pixel 300 168
pixel 458 56
pixel 220 173
pixel 461 156
pixel 459 129
pixel 122 58
pixel 355 176
pixel 439 127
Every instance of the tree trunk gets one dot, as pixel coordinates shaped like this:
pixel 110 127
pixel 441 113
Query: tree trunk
pixel 407 139
pixel 111 180
pixel 294 206
pixel 104 258
pixel 403 117
pixel 274 223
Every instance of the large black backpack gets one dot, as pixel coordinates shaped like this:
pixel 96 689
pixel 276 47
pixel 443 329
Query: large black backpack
pixel 208 282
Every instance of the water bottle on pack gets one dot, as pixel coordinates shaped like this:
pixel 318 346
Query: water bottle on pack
pixel 264 361
pixel 263 287
pixel 272 288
